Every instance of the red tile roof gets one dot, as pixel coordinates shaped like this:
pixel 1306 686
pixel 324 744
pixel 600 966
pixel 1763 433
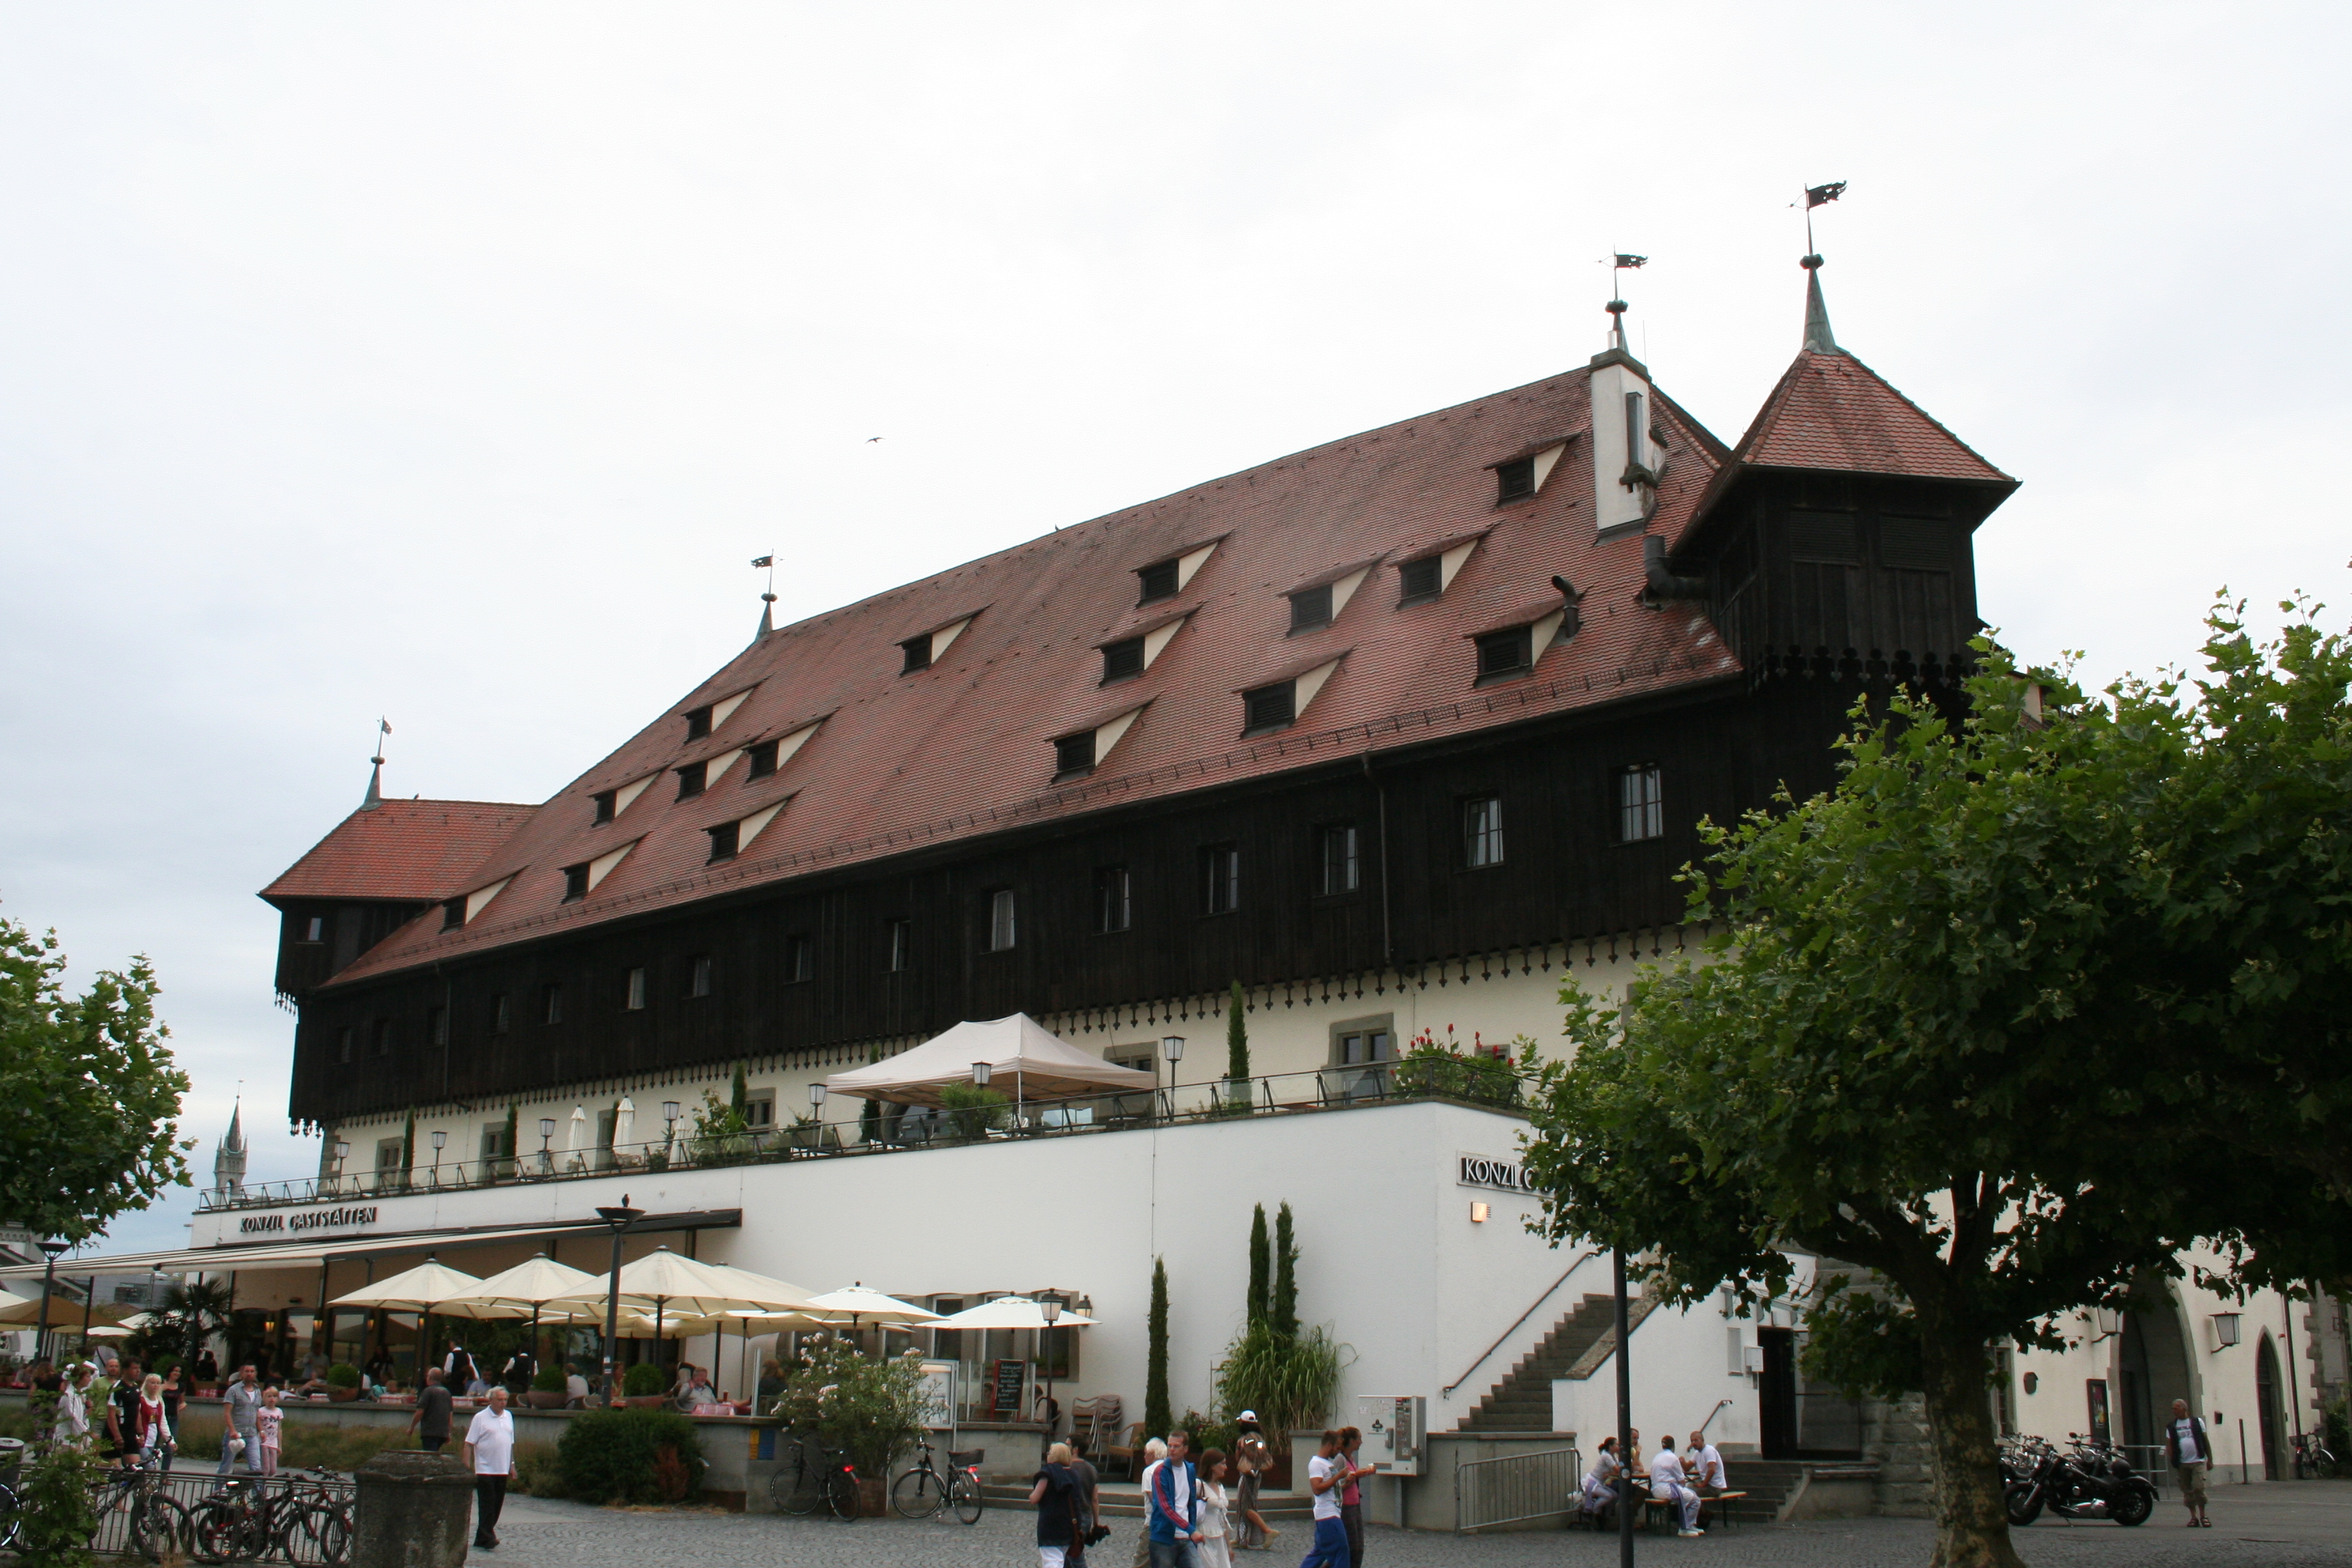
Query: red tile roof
pixel 404 849
pixel 1831 411
pixel 963 748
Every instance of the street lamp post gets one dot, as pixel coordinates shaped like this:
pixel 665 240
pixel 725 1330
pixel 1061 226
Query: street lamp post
pixel 342 1152
pixel 1050 1306
pixel 440 1141
pixel 816 1114
pixel 53 1248
pixel 669 1131
pixel 620 1217
pixel 978 1116
pixel 1172 1048
pixel 546 1136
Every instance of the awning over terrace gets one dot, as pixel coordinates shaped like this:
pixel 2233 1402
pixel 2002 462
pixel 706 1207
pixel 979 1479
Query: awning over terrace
pixel 1025 1061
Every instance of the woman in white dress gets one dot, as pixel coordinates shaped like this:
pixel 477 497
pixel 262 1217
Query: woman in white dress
pixel 1215 1549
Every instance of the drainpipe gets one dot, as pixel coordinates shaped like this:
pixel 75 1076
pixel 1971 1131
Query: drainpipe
pixel 1388 942
pixel 1663 583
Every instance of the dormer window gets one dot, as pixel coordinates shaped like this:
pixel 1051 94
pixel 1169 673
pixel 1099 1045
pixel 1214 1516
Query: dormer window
pixel 1514 480
pixel 1122 660
pixel 918 654
pixel 697 722
pixel 1073 754
pixel 603 801
pixel 724 839
pixel 575 882
pixel 1310 608
pixel 1505 653
pixel 691 779
pixel 1421 581
pixel 1159 581
pixel 452 914
pixel 763 760
pixel 1269 707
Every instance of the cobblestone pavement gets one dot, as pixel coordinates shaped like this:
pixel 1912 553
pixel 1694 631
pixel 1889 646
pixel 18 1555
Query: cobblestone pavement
pixel 2288 1525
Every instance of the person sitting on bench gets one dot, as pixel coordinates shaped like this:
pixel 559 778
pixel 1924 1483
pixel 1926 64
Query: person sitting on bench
pixel 1668 1484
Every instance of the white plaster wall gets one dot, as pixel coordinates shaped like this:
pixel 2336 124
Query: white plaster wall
pixel 1679 1361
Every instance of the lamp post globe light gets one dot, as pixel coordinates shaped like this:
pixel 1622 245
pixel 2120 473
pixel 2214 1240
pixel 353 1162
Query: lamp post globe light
pixel 1171 1049
pixel 546 1136
pixel 620 1217
pixel 52 1250
pixel 440 1140
pixel 1049 1306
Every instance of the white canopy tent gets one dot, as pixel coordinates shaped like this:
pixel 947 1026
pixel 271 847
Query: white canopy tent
pixel 1020 1053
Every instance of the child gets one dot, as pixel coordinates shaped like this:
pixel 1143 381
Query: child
pixel 270 1420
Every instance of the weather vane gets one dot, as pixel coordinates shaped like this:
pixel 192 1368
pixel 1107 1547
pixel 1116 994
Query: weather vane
pixel 1620 262
pixel 1817 196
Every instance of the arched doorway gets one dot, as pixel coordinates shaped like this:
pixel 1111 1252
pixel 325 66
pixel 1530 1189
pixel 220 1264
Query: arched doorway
pixel 2152 1369
pixel 2266 1406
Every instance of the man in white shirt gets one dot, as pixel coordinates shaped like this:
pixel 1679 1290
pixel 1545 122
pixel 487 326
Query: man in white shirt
pixel 1325 1478
pixel 1666 1482
pixel 2186 1444
pixel 489 1453
pixel 1706 1466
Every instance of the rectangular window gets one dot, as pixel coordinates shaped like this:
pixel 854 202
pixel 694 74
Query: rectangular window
pixel 1121 659
pixel 1159 581
pixel 690 779
pixel 1000 919
pixel 1360 1045
pixel 1635 448
pixel 1220 880
pixel 633 996
pixel 1515 480
pixel 1482 831
pixel 760 1108
pixel 500 1018
pixel 1310 607
pixel 1073 754
pixel 602 800
pixel 1505 653
pixel 496 1143
pixel 388 1154
pixel 901 937
pixel 383 1038
pixel 315 929
pixel 551 1004
pixel 698 977
pixel 453 915
pixel 1269 707
pixel 575 883
pixel 697 722
pixel 800 958
pixel 723 839
pixel 1341 873
pixel 438 1025
pixel 1114 907
pixel 1420 579
pixel 1641 804
pixel 760 760
pixel 918 654
pixel 346 1045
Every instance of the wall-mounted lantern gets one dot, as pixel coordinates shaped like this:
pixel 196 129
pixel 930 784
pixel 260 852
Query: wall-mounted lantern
pixel 2225 1330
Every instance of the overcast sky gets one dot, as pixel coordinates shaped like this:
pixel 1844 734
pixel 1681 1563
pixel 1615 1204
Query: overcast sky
pixel 449 362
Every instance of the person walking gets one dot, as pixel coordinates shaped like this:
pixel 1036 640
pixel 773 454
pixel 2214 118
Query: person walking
pixel 1668 1483
pixel 1060 1497
pixel 73 1407
pixel 243 1404
pixel 2192 1459
pixel 430 1419
pixel 1091 1485
pixel 123 1412
pixel 173 1397
pixel 1155 1454
pixel 489 1453
pixel 152 1427
pixel 1213 1551
pixel 1351 1494
pixel 1172 1504
pixel 1252 1461
pixel 269 1423
pixel 1330 1547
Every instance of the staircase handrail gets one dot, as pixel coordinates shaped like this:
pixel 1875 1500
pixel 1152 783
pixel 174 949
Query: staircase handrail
pixel 1447 1392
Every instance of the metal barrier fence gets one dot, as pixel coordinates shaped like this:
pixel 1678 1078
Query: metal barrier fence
pixel 297 1517
pixel 1514 1487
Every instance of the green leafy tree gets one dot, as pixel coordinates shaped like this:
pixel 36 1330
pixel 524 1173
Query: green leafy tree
pixel 1157 1411
pixel 1281 1307
pixel 1260 1264
pixel 97 1094
pixel 1237 1062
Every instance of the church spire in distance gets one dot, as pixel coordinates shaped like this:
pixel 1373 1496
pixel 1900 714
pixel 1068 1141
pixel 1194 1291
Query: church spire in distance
pixel 1818 338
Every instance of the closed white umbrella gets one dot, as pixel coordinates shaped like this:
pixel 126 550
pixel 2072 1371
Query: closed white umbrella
pixel 624 1122
pixel 574 1133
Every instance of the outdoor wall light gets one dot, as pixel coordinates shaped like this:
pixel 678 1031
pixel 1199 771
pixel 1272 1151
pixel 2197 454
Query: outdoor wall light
pixel 2032 1381
pixel 817 1096
pixel 980 1074
pixel 1478 1213
pixel 2225 1330
pixel 1172 1048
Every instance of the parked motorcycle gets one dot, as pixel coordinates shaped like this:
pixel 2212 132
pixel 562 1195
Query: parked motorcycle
pixel 2091 1480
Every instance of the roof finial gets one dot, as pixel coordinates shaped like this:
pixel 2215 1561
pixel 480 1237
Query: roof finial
pixel 768 599
pixel 1818 338
pixel 375 778
pixel 1620 262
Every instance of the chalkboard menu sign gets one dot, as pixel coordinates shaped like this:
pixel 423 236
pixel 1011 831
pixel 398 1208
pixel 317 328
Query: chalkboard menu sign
pixel 1005 1394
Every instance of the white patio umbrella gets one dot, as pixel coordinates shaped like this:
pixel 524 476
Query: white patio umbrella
pixel 859 1304
pixel 427 1289
pixel 695 1289
pixel 538 1283
pixel 1012 1313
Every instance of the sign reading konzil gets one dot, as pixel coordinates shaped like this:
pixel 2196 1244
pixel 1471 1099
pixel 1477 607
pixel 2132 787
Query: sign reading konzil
pixel 1487 1171
pixel 308 1219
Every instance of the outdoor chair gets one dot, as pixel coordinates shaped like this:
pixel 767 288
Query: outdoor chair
pixel 1105 1428
pixel 1126 1454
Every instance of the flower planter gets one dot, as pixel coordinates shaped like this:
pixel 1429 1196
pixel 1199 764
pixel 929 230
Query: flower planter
pixel 336 1395
pixel 644 1401
pixel 546 1399
pixel 873 1497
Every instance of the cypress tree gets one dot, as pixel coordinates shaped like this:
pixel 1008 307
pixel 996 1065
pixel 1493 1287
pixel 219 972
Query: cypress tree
pixel 1260 1255
pixel 1283 1312
pixel 1237 1063
pixel 408 1147
pixel 1157 1416
pixel 514 1127
pixel 740 1095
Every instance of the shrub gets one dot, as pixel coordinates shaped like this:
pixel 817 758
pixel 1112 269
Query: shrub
pixel 58 1512
pixel 618 1455
pixel 643 1379
pixel 547 1380
pixel 868 1408
pixel 538 1472
pixel 2338 1421
pixel 1207 1434
pixel 342 1374
pixel 319 1447
pixel 1289 1382
pixel 972 1111
pixel 1485 1075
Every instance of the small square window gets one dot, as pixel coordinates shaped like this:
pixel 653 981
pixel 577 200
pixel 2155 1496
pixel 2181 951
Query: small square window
pixel 575 883
pixel 315 929
pixel 1641 804
pixel 500 1020
pixel 1269 707
pixel 697 722
pixel 1000 920
pixel 1502 654
pixel 1220 880
pixel 1420 579
pixel 1073 754
pixel 724 840
pixel 1341 872
pixel 698 977
pixel 347 1042
pixel 633 995
pixel 1362 1045
pixel 1114 902
pixel 917 651
pixel 453 915
pixel 1159 581
pixel 901 937
pixel 436 1024
pixel 691 778
pixel 1310 608
pixel 1122 660
pixel 602 800
pixel 1514 480
pixel 762 760
pixel 1482 831
pixel 800 958
pixel 551 1004
pixel 760 1108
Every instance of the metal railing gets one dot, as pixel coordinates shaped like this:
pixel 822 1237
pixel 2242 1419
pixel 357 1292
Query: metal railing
pixel 218 1518
pixel 1515 1487
pixel 1464 1081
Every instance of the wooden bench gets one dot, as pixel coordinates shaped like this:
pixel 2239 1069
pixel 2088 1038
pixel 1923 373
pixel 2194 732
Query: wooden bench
pixel 1722 1503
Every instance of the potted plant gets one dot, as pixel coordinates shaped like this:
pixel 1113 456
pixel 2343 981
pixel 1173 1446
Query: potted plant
pixel 974 1112
pixel 547 1389
pixel 870 1409
pixel 342 1382
pixel 643 1386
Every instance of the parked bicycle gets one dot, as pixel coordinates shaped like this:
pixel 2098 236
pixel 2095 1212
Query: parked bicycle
pixel 924 1488
pixel 295 1515
pixel 157 1527
pixel 2313 1459
pixel 810 1475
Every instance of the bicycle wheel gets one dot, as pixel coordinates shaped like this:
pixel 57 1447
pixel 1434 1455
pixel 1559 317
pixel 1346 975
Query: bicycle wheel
pixel 796 1487
pixel 841 1491
pixel 964 1495
pixel 329 1528
pixel 216 1531
pixel 12 1524
pixel 916 1493
pixel 161 1530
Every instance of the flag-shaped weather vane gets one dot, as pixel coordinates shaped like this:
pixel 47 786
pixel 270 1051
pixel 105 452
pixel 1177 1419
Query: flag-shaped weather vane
pixel 767 599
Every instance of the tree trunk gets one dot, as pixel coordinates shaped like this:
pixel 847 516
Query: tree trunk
pixel 1971 1524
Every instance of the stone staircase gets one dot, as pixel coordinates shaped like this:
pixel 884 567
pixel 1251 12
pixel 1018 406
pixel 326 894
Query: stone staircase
pixel 1575 1347
pixel 1770 1484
